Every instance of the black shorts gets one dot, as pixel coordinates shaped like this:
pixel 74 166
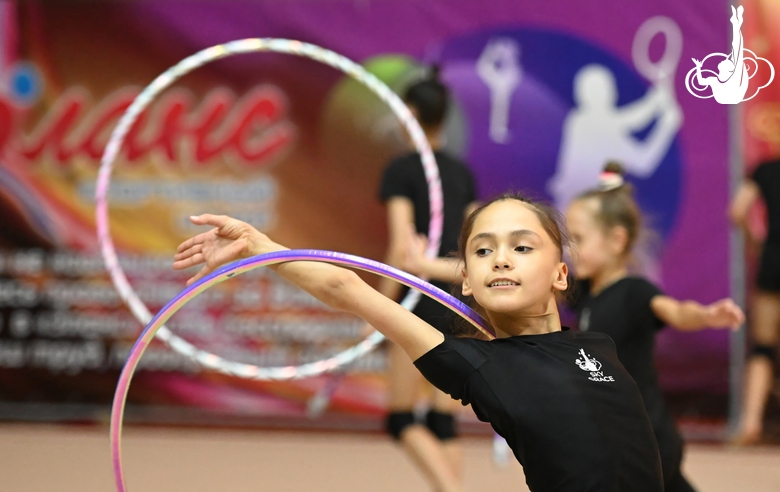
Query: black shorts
pixel 435 314
pixel 769 268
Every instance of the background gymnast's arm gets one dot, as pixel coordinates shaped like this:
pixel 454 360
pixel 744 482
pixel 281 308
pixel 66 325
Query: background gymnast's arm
pixel 414 261
pixel 690 315
pixel 400 219
pixel 739 211
pixel 339 288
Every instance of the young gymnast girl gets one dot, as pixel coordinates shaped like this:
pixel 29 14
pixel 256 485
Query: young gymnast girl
pixel 404 191
pixel 571 413
pixel 604 224
pixel 763 184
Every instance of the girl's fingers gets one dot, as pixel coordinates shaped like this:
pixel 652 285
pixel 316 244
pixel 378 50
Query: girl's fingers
pixel 199 239
pixel 185 263
pixel 212 258
pixel 210 219
pixel 197 248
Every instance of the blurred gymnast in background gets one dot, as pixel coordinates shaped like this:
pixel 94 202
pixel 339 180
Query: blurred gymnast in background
pixel 764 184
pixel 430 443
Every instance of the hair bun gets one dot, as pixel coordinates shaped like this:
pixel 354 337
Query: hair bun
pixel 611 178
pixel 614 167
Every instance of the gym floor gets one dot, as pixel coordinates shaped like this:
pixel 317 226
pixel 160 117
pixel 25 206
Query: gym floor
pixel 77 459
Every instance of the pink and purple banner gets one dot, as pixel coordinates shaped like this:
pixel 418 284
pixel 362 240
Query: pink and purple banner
pixel 544 92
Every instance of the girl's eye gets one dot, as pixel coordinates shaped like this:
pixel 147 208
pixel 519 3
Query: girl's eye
pixel 523 249
pixel 482 251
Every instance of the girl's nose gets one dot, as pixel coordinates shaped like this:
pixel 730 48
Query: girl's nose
pixel 502 261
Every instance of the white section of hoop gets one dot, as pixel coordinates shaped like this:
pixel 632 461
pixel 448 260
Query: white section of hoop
pixel 162 82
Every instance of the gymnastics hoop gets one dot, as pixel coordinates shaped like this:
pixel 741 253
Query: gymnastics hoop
pixel 243 266
pixel 666 67
pixel 163 81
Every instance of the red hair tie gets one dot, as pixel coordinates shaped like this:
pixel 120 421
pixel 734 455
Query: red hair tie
pixel 609 180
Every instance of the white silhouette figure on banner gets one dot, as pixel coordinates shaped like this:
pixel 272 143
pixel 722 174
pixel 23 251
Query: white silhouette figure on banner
pixel 499 68
pixel 730 84
pixel 596 130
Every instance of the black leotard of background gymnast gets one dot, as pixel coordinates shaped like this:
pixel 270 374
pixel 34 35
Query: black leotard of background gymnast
pixel 767 177
pixel 405 177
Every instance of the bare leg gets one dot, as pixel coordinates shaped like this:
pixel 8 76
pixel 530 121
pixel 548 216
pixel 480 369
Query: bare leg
pixel 419 443
pixel 765 329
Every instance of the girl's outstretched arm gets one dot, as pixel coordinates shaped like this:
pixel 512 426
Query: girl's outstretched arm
pixel 339 288
pixel 690 315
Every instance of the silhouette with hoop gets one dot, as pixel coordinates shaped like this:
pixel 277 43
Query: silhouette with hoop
pixel 597 129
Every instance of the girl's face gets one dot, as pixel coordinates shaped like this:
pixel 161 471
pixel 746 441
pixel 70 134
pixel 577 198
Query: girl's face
pixel 596 249
pixel 512 264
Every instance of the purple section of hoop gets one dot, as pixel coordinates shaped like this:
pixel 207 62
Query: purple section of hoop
pixel 228 271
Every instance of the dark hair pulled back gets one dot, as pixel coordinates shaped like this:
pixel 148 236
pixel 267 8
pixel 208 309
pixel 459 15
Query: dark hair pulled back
pixel 430 98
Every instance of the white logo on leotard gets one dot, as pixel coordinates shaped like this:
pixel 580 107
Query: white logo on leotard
pixel 593 366
pixel 588 363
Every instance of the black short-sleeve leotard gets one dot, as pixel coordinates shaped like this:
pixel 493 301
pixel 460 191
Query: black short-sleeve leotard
pixel 572 415
pixel 405 177
pixel 623 311
pixel 767 177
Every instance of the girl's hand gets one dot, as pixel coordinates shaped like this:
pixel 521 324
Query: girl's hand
pixel 229 240
pixel 724 314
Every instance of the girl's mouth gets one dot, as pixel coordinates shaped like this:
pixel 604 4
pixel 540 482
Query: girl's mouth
pixel 502 282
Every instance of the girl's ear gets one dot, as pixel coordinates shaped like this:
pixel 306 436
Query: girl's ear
pixel 618 240
pixel 561 281
pixel 466 288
